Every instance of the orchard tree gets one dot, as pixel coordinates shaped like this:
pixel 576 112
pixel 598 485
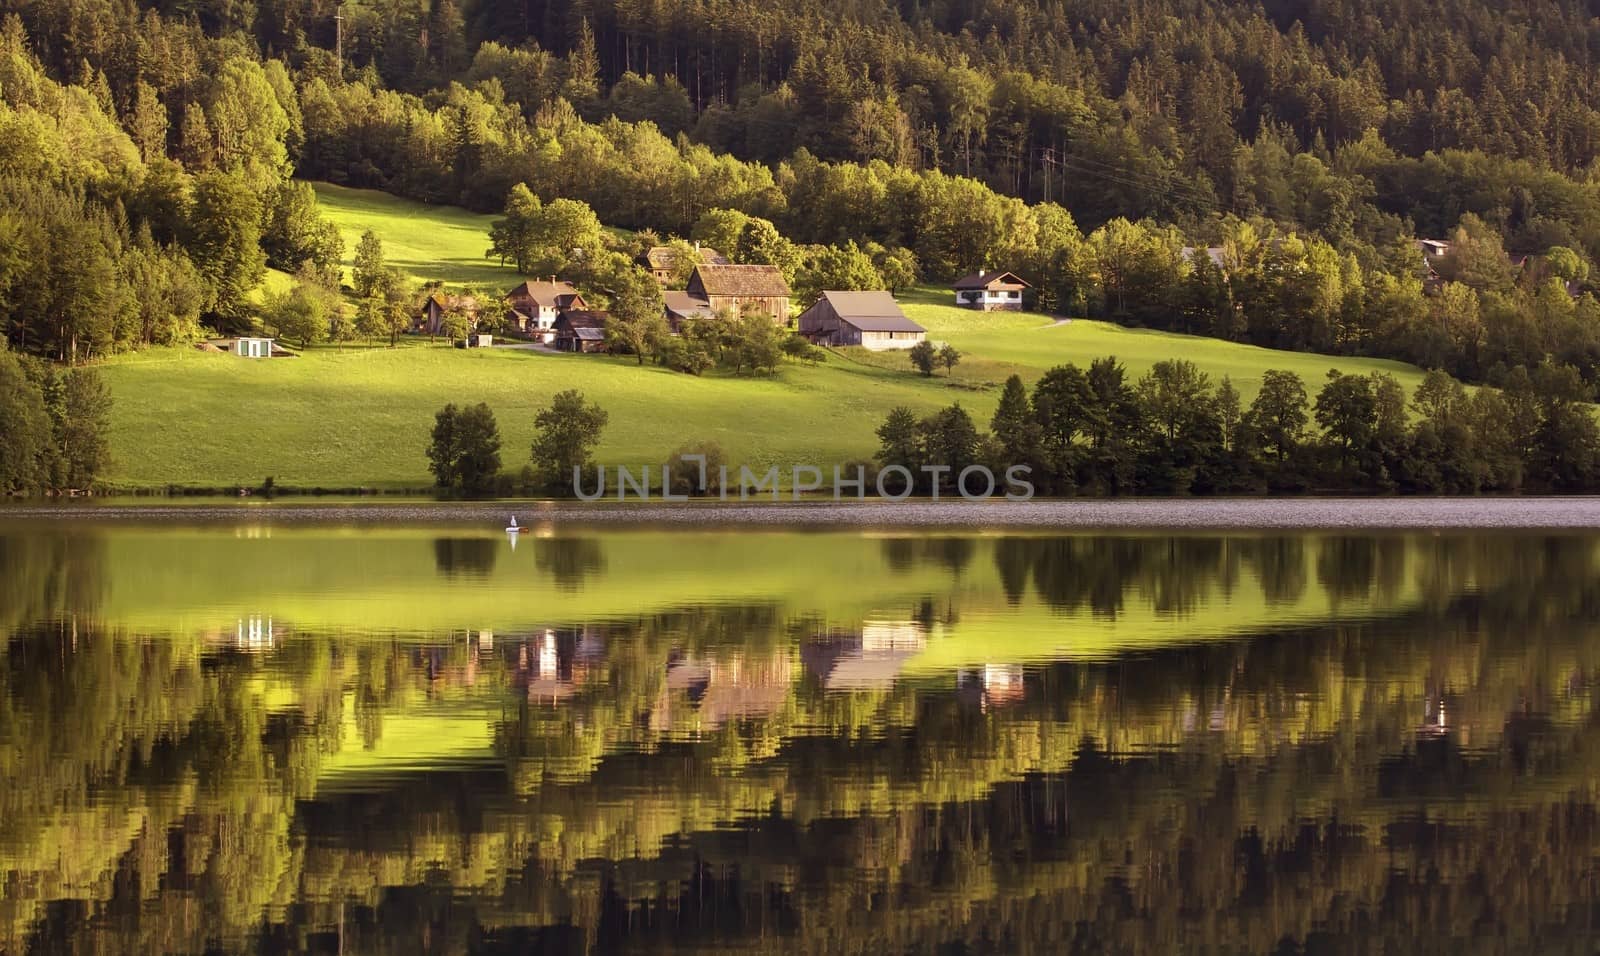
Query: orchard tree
pixel 760 243
pixel 568 431
pixel 896 266
pixel 924 357
pixel 544 238
pixel 636 321
pixel 514 237
pixel 720 229
pixel 368 274
pixel 949 357
pixel 301 314
pixel 464 454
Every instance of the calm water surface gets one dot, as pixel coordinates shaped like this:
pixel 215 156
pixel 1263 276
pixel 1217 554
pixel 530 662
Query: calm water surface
pixel 257 733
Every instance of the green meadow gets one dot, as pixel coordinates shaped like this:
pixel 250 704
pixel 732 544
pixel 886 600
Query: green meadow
pixel 341 417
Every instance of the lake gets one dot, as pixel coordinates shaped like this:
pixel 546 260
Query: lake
pixel 293 727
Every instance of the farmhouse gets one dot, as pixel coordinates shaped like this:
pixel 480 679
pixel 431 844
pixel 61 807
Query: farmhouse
pixel 872 320
pixel 662 261
pixel 533 306
pixel 681 306
pixel 580 330
pixel 439 304
pixel 990 291
pixel 742 289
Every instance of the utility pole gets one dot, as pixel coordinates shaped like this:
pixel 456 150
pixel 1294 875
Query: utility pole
pixel 338 37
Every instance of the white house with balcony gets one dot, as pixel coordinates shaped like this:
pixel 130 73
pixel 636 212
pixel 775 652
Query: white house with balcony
pixel 990 291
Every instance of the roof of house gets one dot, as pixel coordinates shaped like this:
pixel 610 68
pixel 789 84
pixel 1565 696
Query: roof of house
pixel 684 304
pixel 589 335
pixel 875 311
pixel 750 280
pixel 445 300
pixel 984 279
pixel 582 319
pixel 665 257
pixel 548 294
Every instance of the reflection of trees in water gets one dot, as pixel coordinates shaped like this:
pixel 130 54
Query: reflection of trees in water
pixel 954 553
pixel 465 557
pixel 1341 780
pixel 940 827
pixel 45 577
pixel 569 562
pixel 1353 567
pixel 1280 566
pixel 1173 574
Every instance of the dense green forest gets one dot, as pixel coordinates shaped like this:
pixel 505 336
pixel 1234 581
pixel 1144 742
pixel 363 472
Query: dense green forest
pixel 149 155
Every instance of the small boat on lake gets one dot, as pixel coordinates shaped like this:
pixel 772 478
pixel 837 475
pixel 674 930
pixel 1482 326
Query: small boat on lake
pixel 513 529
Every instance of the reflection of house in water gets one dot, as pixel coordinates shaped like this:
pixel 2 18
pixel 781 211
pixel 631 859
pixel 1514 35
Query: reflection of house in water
pixel 992 686
pixel 724 688
pixel 870 659
pixel 1435 717
pixel 553 663
pixel 253 634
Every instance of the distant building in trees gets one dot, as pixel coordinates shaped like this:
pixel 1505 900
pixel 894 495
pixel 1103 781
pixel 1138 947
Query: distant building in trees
pixel 990 291
pixel 662 261
pixel 581 330
pixel 1433 251
pixel 534 306
pixel 871 320
pixel 742 289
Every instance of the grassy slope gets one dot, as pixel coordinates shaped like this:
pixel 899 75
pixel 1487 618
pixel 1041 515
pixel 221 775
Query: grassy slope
pixel 357 416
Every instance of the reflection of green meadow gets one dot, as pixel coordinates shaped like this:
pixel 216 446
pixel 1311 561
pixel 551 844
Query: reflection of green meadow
pixel 381 581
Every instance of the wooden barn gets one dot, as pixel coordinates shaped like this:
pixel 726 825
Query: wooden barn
pixel 439 304
pixel 581 330
pixel 742 289
pixel 872 320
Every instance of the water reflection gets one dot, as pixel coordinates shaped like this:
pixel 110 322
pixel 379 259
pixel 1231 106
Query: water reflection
pixel 465 557
pixel 802 742
pixel 569 561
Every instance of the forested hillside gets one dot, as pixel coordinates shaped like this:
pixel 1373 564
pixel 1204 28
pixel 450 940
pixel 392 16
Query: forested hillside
pixel 147 151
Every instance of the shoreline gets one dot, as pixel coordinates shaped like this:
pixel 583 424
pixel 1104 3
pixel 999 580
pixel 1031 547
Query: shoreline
pixel 1065 514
